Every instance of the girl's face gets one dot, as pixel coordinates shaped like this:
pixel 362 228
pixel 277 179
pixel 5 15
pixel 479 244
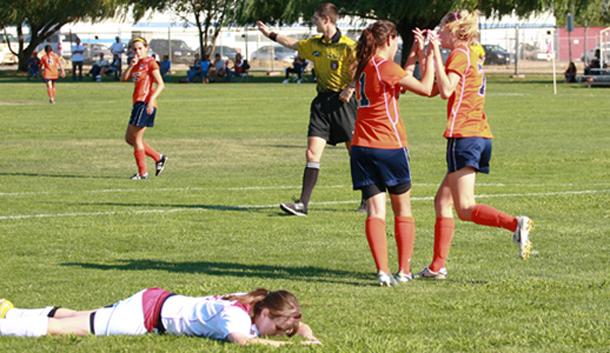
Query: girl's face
pixel 446 37
pixel 139 49
pixel 271 326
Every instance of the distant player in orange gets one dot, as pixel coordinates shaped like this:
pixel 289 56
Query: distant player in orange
pixel 379 155
pixel 468 135
pixel 50 63
pixel 144 71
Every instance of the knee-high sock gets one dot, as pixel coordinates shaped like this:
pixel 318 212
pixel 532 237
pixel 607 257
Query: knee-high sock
pixel 310 177
pixel 443 232
pixel 150 152
pixel 375 235
pixel 34 326
pixel 15 313
pixel 140 156
pixel 489 216
pixel 404 233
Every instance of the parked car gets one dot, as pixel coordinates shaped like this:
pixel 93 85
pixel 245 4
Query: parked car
pixel 496 55
pixel 181 52
pixel 226 53
pixel 277 53
pixel 93 51
pixel 61 43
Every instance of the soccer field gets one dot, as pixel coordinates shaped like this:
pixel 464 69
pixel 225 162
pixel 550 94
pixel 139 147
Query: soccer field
pixel 76 232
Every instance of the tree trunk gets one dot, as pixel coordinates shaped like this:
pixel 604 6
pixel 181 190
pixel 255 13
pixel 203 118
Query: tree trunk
pixel 405 29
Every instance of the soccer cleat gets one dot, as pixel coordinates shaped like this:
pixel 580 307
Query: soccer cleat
pixel 5 306
pixel 139 177
pixel 429 274
pixel 160 165
pixel 286 81
pixel 386 280
pixel 296 209
pixel 402 277
pixel 521 236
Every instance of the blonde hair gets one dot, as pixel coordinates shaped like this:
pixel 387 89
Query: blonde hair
pixel 281 305
pixel 463 24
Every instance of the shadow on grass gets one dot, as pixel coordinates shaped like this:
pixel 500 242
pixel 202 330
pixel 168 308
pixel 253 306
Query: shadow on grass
pixel 244 208
pixel 58 175
pixel 305 273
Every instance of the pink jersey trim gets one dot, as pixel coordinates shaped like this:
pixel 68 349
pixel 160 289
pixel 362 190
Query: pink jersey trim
pixel 394 122
pixel 456 108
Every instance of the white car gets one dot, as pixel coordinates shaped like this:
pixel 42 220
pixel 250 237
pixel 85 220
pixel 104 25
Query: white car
pixel 6 56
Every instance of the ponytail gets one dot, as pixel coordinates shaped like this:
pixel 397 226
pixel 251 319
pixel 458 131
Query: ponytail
pixel 372 37
pixel 249 298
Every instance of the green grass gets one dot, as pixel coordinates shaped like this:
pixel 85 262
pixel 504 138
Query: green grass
pixel 74 231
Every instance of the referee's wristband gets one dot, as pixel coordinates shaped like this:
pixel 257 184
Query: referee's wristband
pixel 273 36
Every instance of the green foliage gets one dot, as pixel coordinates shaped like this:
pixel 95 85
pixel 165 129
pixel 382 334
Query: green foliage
pixel 88 236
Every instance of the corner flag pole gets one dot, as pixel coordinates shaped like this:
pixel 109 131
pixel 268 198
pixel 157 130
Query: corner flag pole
pixel 552 54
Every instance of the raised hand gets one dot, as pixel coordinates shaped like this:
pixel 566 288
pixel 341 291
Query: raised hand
pixel 419 39
pixel 263 28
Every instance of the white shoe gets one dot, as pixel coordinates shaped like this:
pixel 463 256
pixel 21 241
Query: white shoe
pixel 386 280
pixel 299 81
pixel 521 236
pixel 286 81
pixel 5 306
pixel 402 277
pixel 429 274
pixel 139 177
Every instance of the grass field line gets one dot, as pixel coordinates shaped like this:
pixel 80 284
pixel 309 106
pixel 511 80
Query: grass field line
pixel 253 207
pixel 255 188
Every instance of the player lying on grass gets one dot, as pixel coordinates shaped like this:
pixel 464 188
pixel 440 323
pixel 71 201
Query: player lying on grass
pixel 239 318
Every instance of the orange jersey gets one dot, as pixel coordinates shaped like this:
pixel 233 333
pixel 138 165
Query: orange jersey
pixel 142 75
pixel 465 114
pixel 50 65
pixel 378 124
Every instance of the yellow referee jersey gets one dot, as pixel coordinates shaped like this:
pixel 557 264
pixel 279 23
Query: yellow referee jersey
pixel 332 60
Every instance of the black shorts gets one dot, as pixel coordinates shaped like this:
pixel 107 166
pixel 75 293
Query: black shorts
pixel 332 119
pixel 140 117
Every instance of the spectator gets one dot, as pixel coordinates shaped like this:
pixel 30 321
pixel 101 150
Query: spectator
pixel 570 73
pixel 240 66
pixel 594 65
pixel 99 68
pixel 165 66
pixel 219 69
pixel 77 60
pixel 117 49
pixel 33 66
pixel 298 66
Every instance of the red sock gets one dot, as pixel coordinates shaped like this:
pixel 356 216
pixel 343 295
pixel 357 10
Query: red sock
pixel 151 153
pixel 489 216
pixel 375 235
pixel 404 233
pixel 443 232
pixel 140 161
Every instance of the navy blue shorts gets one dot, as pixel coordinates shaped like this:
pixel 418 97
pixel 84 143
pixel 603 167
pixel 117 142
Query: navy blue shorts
pixel 139 116
pixel 384 168
pixel 52 80
pixel 474 152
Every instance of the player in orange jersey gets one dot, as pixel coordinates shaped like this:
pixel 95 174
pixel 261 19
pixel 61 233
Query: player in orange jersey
pixel 50 63
pixel 144 71
pixel 379 155
pixel 468 135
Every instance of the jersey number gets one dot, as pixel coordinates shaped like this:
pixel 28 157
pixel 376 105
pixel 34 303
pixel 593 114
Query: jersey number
pixel 363 101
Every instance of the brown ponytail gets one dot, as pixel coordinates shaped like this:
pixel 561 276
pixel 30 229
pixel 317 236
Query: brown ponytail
pixel 372 38
pixel 281 305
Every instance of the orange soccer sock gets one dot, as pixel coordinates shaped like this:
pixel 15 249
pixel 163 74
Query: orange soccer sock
pixel 443 233
pixel 489 216
pixel 375 235
pixel 150 152
pixel 140 161
pixel 404 233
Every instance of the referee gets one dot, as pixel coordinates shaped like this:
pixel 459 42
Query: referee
pixel 333 110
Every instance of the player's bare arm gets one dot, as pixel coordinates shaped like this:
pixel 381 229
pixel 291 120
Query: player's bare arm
pixel 127 73
pixel 160 86
pixel 283 40
pixel 445 84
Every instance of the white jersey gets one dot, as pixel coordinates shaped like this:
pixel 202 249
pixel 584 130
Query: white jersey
pixel 210 317
pixel 77 53
pixel 117 48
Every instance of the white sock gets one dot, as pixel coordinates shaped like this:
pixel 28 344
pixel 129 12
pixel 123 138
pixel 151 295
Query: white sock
pixel 34 326
pixel 15 313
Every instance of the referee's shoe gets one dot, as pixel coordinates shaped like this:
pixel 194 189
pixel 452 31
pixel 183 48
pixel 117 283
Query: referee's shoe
pixel 296 208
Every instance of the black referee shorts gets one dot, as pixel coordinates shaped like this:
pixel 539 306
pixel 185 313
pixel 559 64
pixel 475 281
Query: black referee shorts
pixel 332 119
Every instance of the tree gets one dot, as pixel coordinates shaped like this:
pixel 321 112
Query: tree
pixel 209 16
pixel 43 18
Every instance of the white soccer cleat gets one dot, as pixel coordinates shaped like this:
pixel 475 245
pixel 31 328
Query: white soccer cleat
pixel 286 81
pixel 5 306
pixel 427 273
pixel 521 236
pixel 386 280
pixel 402 277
